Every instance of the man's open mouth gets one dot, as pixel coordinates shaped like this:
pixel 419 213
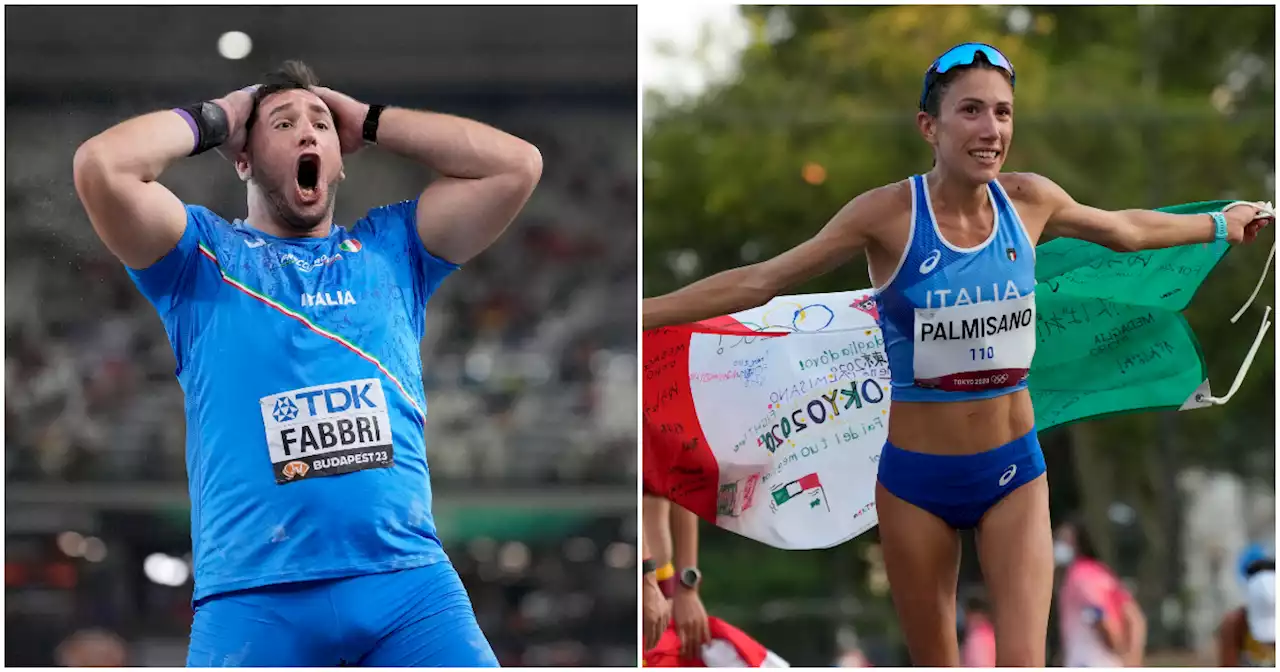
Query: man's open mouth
pixel 308 174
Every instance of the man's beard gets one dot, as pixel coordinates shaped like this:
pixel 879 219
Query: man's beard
pixel 279 199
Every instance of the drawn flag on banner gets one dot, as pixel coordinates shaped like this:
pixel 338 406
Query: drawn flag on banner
pixel 805 484
pixel 792 397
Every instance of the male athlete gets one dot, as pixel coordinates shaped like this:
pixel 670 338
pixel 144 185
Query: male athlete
pixel 297 344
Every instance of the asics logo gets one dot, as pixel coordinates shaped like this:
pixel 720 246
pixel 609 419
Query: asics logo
pixel 1008 474
pixel 930 262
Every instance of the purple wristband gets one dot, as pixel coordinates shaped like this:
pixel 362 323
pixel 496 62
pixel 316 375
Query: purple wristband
pixel 191 121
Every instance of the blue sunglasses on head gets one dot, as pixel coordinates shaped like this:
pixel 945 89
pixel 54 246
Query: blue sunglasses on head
pixel 961 55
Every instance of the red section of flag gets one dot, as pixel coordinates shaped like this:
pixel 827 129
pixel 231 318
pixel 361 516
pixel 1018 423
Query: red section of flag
pixel 809 482
pixel 728 326
pixel 678 463
pixel 723 322
pixel 667 652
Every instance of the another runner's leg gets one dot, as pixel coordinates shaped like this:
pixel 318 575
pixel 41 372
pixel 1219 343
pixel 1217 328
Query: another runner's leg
pixel 1015 548
pixel 922 559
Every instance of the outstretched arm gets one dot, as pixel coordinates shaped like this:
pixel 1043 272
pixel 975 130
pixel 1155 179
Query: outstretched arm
pixel 486 175
pixel 1131 230
pixel 846 235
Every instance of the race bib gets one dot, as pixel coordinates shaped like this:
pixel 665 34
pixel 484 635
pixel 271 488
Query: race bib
pixel 327 430
pixel 977 346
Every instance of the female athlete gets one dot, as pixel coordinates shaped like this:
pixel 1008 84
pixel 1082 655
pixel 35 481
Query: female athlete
pixel 951 254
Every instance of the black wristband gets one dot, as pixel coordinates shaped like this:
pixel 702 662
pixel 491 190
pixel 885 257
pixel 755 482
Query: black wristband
pixel 648 566
pixel 208 122
pixel 371 123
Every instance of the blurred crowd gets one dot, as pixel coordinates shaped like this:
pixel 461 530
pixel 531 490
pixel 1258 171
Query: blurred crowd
pixel 529 357
pixel 559 603
pixel 566 599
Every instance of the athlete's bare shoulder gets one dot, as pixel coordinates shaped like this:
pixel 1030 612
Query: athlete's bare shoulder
pixel 892 198
pixel 880 211
pixel 1036 197
pixel 898 195
pixel 1031 189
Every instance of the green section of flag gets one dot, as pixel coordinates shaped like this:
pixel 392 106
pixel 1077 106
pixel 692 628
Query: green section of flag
pixel 1111 337
pixel 781 496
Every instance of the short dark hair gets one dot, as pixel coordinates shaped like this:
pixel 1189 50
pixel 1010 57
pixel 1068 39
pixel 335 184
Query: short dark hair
pixel 933 101
pixel 290 75
pixel 1260 565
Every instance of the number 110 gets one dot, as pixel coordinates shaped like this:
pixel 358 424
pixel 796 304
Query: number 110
pixel 988 352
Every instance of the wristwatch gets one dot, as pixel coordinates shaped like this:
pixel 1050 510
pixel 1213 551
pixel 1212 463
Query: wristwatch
pixel 691 577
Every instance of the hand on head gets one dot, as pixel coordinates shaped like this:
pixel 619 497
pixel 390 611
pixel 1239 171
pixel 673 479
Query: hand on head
pixel 348 113
pixel 238 105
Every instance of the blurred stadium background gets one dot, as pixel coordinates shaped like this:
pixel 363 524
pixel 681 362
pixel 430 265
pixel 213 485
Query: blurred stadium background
pixel 530 352
pixel 762 124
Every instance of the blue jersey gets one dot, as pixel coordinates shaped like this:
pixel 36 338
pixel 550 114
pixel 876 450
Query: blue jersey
pixel 301 364
pixel 959 323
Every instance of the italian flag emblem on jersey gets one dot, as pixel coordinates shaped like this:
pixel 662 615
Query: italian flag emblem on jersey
pixel 351 245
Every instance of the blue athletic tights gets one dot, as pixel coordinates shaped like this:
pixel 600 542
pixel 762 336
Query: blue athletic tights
pixel 409 618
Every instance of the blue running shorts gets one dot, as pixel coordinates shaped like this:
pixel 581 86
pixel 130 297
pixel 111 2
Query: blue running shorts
pixel 960 489
pixel 418 617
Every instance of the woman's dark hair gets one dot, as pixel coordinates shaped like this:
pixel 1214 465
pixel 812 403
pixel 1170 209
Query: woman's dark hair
pixel 933 101
pixel 290 75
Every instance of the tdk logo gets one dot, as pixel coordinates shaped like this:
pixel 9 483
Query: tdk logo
pixel 285 410
pixel 328 400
